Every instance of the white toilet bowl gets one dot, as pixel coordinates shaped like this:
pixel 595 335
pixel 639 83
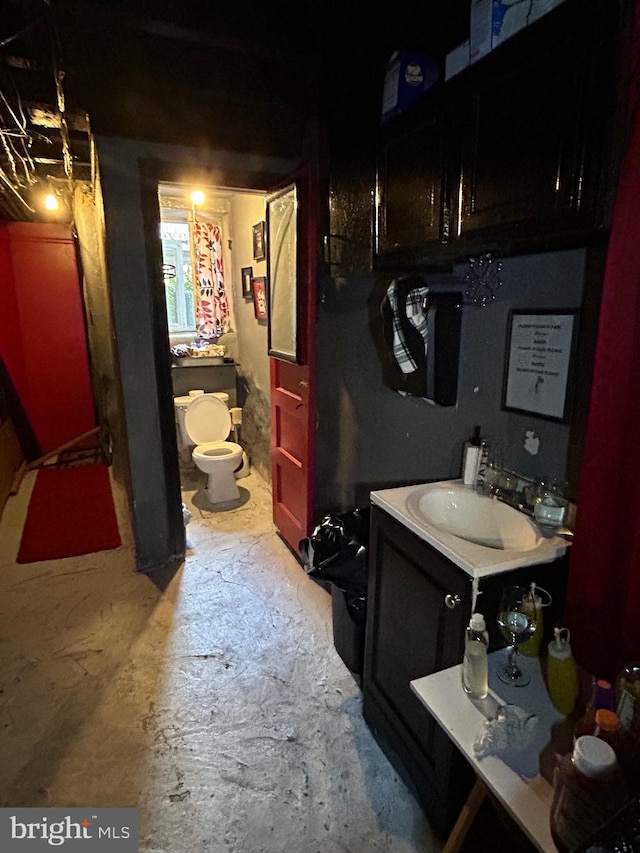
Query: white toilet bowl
pixel 207 423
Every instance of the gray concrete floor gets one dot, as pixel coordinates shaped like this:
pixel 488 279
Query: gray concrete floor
pixel 213 700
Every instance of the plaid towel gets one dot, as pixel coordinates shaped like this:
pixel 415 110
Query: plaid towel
pixel 416 314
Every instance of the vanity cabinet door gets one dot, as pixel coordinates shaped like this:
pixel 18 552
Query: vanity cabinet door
pixel 410 633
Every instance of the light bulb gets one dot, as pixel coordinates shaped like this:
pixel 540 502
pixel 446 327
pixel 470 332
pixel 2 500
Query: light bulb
pixel 197 197
pixel 51 202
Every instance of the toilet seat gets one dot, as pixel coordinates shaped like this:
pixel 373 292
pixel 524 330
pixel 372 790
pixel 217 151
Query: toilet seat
pixel 207 419
pixel 217 449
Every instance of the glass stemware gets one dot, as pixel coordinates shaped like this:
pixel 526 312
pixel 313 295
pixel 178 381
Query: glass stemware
pixel 517 623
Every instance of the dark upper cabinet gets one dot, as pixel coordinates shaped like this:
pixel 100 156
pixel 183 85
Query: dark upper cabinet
pixel 410 179
pixel 515 153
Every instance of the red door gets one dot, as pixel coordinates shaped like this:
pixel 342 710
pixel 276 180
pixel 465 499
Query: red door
pixel 42 331
pixel 293 410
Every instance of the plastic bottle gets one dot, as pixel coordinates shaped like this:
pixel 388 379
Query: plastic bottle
pixel 628 696
pixel 588 789
pixel 562 673
pixel 474 663
pixel 628 709
pixel 471 458
pixel 602 696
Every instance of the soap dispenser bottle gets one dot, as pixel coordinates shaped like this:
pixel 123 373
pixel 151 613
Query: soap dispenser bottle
pixel 562 673
pixel 471 458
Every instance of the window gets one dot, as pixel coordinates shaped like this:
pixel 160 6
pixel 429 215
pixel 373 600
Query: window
pixel 178 274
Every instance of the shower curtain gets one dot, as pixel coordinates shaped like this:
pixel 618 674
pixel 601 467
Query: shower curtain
pixel 212 305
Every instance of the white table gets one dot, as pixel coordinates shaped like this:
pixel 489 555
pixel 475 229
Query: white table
pixel 515 777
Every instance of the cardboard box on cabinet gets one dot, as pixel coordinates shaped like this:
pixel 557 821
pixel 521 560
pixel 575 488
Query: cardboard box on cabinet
pixel 494 21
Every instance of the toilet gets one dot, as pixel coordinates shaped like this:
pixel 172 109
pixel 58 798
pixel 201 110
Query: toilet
pixel 204 420
pixel 207 423
pixel 180 405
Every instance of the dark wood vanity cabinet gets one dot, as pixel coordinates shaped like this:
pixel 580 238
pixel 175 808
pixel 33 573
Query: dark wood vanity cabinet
pixel 418 606
pixel 516 153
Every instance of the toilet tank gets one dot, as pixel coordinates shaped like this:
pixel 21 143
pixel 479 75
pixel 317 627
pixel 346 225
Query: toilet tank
pixel 211 378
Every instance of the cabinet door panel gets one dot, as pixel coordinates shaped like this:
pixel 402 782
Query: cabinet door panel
pixel 411 633
pixel 527 166
pixel 410 178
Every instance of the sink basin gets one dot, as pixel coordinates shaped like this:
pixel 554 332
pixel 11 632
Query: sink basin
pixel 459 511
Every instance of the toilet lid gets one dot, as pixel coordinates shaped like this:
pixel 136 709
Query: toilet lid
pixel 207 419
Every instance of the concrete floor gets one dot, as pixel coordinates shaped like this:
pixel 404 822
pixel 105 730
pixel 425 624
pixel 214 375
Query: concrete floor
pixel 213 700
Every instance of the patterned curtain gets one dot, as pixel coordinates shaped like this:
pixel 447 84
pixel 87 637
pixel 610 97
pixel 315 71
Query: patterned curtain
pixel 212 306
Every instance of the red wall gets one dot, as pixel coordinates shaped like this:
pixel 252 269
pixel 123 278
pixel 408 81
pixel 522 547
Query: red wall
pixel 42 330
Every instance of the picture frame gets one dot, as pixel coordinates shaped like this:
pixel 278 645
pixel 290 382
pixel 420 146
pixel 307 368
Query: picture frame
pixel 259 286
pixel 247 277
pixel 539 362
pixel 259 249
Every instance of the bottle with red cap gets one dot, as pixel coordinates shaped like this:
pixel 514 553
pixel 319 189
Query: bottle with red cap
pixel 602 696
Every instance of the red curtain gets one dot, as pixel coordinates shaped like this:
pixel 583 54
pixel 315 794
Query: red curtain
pixel 603 607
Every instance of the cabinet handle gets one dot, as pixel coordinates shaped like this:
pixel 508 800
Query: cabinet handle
pixel 452 601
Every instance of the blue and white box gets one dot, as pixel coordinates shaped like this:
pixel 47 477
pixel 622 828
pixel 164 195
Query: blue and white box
pixel 408 76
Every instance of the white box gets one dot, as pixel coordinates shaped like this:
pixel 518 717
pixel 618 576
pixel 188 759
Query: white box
pixel 541 7
pixel 494 21
pixel 456 60
pixel 480 29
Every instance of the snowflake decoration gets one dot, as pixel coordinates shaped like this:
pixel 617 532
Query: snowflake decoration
pixel 483 279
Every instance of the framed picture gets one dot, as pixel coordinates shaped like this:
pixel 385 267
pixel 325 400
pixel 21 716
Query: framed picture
pixel 260 297
pixel 539 362
pixel 247 276
pixel 259 253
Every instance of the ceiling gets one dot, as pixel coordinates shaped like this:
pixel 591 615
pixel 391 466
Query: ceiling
pixel 244 79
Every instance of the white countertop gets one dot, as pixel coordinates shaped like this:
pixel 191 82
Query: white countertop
pixel 478 561
pixel 514 778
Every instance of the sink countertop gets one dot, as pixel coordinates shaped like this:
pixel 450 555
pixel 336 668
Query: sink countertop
pixel 477 561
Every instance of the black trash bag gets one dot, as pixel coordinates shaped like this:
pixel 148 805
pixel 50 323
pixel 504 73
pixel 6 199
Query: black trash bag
pixel 357 607
pixel 336 551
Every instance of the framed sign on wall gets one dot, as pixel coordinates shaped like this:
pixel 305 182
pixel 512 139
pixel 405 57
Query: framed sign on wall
pixel 539 362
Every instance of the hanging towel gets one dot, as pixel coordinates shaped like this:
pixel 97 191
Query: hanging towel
pixel 405 301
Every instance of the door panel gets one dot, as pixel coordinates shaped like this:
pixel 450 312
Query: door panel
pixel 293 390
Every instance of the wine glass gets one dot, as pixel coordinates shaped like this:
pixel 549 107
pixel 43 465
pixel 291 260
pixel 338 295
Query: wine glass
pixel 517 623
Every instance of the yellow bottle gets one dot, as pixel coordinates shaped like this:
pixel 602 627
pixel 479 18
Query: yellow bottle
pixel 562 675
pixel 533 607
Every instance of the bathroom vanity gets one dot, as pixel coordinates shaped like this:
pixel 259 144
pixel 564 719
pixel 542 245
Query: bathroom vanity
pixel 423 586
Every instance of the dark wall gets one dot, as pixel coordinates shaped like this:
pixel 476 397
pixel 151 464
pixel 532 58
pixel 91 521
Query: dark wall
pixel 141 340
pixel 370 436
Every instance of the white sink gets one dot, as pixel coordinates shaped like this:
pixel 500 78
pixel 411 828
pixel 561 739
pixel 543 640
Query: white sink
pixel 459 511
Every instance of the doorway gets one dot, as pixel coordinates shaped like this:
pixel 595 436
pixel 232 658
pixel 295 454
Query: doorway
pixel 242 334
